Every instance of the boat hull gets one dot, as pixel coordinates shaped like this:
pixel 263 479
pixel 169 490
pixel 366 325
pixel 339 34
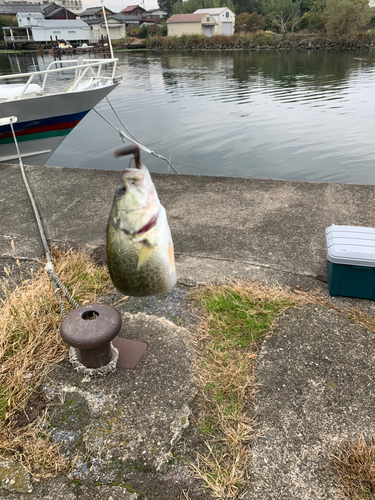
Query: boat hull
pixel 44 122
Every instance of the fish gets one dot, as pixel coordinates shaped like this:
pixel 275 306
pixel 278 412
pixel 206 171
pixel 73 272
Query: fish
pixel 140 249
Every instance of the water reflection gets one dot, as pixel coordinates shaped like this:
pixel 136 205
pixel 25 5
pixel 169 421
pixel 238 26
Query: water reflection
pixel 282 114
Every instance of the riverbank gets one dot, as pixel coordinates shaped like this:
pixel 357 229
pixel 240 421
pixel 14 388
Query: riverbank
pixel 315 371
pixel 262 40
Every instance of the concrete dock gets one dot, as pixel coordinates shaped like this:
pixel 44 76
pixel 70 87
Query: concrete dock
pixel 270 231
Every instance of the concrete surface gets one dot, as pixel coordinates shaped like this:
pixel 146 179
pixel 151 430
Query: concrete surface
pixel 317 388
pixel 316 372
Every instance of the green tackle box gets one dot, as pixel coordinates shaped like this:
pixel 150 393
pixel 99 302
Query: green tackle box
pixel 351 261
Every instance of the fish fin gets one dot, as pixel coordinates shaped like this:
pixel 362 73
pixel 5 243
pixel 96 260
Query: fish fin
pixel 171 262
pixel 144 254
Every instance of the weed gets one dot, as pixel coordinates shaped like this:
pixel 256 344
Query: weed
pixel 354 464
pixel 126 486
pixel 5 397
pixel 30 346
pixel 234 317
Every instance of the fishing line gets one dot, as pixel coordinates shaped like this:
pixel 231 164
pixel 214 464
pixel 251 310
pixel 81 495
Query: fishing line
pixel 134 141
pixel 57 284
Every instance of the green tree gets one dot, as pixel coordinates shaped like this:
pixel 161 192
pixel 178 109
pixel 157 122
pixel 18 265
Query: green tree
pixel 283 14
pixel 250 6
pixel 6 21
pixel 315 18
pixel 189 6
pixel 143 32
pixel 344 17
pixel 167 5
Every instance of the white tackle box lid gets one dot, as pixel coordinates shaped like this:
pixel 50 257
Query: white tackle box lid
pixel 351 245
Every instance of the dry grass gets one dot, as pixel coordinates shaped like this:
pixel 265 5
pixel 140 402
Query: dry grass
pixel 30 346
pixel 234 318
pixel 355 467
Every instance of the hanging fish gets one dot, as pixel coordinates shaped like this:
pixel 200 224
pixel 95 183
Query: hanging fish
pixel 139 242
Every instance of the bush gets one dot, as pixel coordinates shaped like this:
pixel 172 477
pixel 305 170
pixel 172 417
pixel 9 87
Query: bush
pixel 262 38
pixel 6 21
pixel 343 17
pixel 155 42
pixel 222 40
pixel 133 32
pixel 143 31
pixel 249 22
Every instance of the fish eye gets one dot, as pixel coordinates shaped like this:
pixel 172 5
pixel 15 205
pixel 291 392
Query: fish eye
pixel 121 190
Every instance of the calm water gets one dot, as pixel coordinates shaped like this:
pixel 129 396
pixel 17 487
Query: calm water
pixel 287 115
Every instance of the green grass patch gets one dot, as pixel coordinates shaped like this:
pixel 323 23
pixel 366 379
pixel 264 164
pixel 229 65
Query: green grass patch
pixel 234 319
pixel 237 319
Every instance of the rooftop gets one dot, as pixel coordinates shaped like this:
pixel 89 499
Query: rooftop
pixel 130 8
pixel 211 11
pixel 186 18
pixel 11 9
pixel 94 10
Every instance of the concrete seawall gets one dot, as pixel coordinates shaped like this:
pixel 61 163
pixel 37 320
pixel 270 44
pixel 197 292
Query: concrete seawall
pixel 221 227
pixel 315 373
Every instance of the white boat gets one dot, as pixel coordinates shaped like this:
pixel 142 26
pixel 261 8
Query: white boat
pixel 49 104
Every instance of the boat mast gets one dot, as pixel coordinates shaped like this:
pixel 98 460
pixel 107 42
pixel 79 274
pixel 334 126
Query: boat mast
pixel 106 27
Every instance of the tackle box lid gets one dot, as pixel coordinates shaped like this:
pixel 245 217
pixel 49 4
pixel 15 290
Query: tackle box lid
pixel 351 245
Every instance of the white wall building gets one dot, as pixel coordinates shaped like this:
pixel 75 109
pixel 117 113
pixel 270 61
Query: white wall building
pixel 115 26
pixel 43 29
pixel 224 17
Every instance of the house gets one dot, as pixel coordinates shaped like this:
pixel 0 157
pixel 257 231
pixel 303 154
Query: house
pixel 156 16
pixel 134 10
pixel 72 30
pixel 116 27
pixel 224 18
pixel 191 24
pixel 54 11
pixel 95 13
pixel 49 10
pixel 11 9
pixel 32 27
pixel 128 21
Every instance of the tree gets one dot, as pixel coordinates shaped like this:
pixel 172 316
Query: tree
pixel 249 22
pixel 344 17
pixel 284 14
pixel 250 6
pixel 315 18
pixel 167 5
pixel 7 21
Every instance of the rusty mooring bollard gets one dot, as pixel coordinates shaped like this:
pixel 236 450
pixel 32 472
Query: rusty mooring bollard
pixel 90 330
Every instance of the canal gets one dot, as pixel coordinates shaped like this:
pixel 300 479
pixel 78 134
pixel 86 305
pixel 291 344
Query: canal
pixel 299 115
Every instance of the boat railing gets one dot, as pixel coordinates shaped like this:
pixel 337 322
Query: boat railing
pixel 80 65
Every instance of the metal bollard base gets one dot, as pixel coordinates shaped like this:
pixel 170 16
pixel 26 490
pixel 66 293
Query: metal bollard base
pixel 130 352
